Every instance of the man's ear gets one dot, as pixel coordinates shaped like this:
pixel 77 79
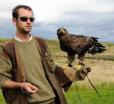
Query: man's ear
pixel 14 20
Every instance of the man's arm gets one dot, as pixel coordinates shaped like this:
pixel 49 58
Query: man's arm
pixel 6 76
pixel 67 75
pixel 25 87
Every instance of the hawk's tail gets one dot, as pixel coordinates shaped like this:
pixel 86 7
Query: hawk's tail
pixel 96 47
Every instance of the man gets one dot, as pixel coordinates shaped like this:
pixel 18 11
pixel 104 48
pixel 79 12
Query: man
pixel 28 74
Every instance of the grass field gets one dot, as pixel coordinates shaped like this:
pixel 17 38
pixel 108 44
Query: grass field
pixel 88 95
pixel 102 76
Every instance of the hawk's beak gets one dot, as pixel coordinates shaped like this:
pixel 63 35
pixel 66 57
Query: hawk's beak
pixel 62 31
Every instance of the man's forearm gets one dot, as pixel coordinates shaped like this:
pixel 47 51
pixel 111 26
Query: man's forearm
pixel 11 84
pixel 25 87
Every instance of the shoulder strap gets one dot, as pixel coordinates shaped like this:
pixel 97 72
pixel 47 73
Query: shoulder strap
pixel 42 48
pixel 63 80
pixel 42 45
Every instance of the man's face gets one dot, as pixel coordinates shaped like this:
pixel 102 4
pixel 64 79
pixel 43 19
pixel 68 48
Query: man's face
pixel 24 20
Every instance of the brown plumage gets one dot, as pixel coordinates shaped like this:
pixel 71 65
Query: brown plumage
pixel 78 44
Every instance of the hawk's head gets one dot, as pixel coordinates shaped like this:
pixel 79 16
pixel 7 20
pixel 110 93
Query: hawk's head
pixel 61 31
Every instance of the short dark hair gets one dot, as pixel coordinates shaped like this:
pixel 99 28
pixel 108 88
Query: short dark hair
pixel 15 10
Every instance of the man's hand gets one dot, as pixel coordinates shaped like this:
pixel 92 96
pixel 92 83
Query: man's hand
pixel 75 74
pixel 28 88
pixel 82 73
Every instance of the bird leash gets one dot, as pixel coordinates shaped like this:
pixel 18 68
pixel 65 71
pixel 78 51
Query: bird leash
pixel 94 88
pixel 98 94
pixel 78 93
pixel 77 90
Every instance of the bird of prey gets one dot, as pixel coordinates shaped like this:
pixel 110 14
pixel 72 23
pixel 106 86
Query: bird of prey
pixel 78 44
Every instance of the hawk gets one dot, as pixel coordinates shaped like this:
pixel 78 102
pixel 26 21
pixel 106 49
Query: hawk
pixel 78 44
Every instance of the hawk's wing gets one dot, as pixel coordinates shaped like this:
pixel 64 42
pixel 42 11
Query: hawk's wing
pixel 80 43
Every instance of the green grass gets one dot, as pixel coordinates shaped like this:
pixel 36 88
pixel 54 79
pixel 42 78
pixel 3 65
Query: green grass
pixel 2 101
pixel 88 95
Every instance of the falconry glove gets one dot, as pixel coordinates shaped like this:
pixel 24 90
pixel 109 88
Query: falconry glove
pixel 74 75
pixel 82 73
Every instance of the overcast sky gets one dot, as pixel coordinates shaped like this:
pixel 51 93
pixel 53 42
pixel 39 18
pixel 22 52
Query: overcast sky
pixel 87 17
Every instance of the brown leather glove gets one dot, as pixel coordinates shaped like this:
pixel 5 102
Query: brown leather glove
pixel 82 73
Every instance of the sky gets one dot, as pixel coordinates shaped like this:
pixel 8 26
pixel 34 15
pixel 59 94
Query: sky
pixel 86 17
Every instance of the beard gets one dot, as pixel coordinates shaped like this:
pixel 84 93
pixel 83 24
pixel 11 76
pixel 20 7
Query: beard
pixel 26 30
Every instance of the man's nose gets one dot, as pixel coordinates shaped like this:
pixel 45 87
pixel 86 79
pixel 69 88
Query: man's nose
pixel 28 21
